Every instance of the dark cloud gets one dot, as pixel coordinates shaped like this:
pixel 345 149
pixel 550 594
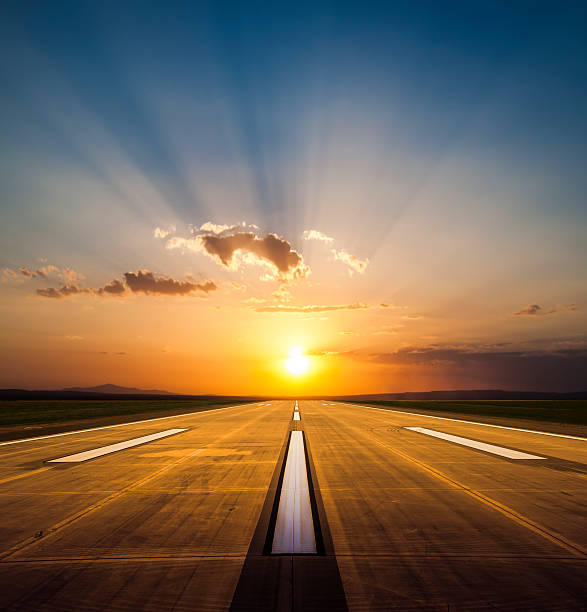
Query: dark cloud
pixel 144 281
pixel 141 281
pixel 535 310
pixel 271 249
pixel 311 308
pixel 114 287
pixel 41 272
pixel 66 290
pixel 476 367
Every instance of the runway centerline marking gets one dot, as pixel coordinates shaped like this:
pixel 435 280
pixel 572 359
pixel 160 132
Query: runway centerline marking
pixel 112 448
pixel 431 416
pixel 488 448
pixel 294 528
pixel 296 416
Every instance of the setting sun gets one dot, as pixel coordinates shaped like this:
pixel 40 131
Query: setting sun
pixel 298 363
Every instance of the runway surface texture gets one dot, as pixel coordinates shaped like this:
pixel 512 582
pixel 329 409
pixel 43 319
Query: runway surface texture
pixel 404 519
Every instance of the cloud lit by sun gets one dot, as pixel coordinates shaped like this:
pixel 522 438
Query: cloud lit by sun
pixel 297 363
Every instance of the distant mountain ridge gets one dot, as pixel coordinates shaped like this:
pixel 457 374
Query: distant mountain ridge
pixel 115 389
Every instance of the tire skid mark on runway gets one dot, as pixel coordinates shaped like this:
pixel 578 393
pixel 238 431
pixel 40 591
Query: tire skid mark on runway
pixel 56 528
pixel 520 519
pixel 24 475
pixel 161 559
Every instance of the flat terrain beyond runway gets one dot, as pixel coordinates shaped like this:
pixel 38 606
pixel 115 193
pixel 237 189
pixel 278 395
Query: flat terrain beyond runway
pixel 409 512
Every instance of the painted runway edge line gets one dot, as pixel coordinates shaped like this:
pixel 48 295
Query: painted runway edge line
pixel 294 527
pixel 431 416
pixel 112 448
pixel 78 431
pixel 483 446
pixel 296 416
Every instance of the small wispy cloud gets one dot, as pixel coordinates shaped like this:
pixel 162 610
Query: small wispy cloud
pixel 354 263
pixel 163 233
pixel 316 235
pixel 535 310
pixel 282 295
pixel 46 271
pixel 312 308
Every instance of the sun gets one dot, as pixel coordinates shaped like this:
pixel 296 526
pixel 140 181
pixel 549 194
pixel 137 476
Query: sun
pixel 298 363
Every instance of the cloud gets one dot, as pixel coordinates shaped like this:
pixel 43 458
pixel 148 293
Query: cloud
pixel 487 367
pixel 163 233
pixel 74 337
pixel 535 310
pixel 8 273
pixel 66 290
pixel 72 275
pixel 66 274
pixel 316 235
pixel 245 247
pixel 114 287
pixel 388 331
pixel 232 247
pixel 215 228
pixel 41 272
pixel 311 308
pixel 141 281
pixel 354 263
pixel 282 295
pixel 144 281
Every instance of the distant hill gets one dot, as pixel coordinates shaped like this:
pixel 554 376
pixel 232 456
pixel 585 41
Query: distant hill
pixel 116 389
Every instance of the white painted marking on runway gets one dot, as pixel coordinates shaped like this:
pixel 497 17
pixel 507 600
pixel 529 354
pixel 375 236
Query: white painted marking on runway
pixel 112 448
pixel 296 416
pixel 78 431
pixel 294 529
pixel 488 448
pixel 430 416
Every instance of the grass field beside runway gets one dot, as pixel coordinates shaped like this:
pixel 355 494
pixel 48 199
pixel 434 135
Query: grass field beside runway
pixel 35 412
pixel 555 411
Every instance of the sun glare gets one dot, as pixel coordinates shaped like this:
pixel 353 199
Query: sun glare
pixel 298 363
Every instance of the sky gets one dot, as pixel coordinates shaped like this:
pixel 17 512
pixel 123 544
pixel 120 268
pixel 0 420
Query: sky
pixel 189 191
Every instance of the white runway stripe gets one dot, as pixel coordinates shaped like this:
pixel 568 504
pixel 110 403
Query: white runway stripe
pixel 430 416
pixel 78 431
pixel 488 448
pixel 296 416
pixel 112 448
pixel 294 529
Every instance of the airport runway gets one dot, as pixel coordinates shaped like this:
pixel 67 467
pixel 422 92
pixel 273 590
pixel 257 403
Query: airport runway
pixel 393 511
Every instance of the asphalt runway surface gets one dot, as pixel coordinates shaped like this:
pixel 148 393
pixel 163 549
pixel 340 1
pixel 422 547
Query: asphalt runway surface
pixel 408 512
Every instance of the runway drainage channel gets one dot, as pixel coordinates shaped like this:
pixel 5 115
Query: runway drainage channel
pixel 294 531
pixel 291 564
